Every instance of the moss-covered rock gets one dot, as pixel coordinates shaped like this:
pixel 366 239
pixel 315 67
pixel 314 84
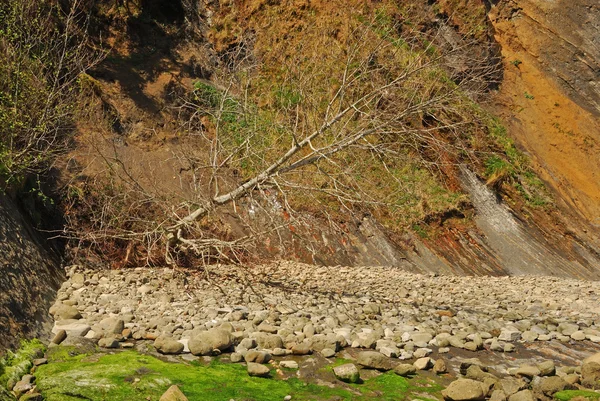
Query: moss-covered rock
pixel 16 364
pixel 128 375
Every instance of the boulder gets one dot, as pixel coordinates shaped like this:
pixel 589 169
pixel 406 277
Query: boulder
pixel 551 385
pixel 269 341
pixel 168 345
pixel 59 337
pixel 592 358
pixel 463 390
pixel 109 325
pixel 301 349
pixel 528 371
pixel 509 335
pixel 590 375
pixel 347 373
pixel 289 364
pixel 206 341
pixel 328 352
pixel 258 370
pixel 373 360
pixel 523 395
pixel 547 368
pixel 474 372
pixel 173 394
pixel 61 311
pixel 423 363
pixel 73 328
pixel 405 369
pixel 108 343
pixel 511 385
pixel 498 395
pixel 439 367
pixel 257 356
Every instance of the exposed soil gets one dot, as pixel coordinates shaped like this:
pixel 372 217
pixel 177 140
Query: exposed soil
pixel 544 113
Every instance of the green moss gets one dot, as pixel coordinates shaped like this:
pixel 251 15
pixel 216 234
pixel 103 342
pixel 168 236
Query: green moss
pixel 566 395
pixel 131 376
pixel 16 364
pixel 71 353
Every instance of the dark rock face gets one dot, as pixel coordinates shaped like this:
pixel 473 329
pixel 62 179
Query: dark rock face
pixel 29 279
pixel 574 56
pixel 565 41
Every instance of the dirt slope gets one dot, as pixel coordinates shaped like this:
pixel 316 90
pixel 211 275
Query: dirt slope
pixel 550 96
pixel 548 99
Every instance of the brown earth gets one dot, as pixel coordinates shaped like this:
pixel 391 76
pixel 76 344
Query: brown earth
pixel 559 132
pixel 549 95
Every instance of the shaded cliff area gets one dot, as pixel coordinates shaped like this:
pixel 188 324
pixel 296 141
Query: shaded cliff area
pixel 30 275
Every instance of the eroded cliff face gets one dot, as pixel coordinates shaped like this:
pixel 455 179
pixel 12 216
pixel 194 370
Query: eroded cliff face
pixel 550 96
pixel 29 278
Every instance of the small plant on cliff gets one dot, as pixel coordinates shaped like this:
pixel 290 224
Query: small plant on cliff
pixel 43 49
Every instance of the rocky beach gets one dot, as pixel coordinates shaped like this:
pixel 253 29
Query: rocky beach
pixel 502 338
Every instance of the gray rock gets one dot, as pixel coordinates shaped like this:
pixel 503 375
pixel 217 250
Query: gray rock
pixel 420 337
pixel 422 352
pixel 390 352
pixel 214 339
pixel 467 363
pixel 523 395
pixel 40 361
pixel 471 346
pixel 328 352
pixel 590 374
pixel 248 343
pixel 280 352
pixel 551 385
pixel 258 370
pixel 423 363
pixel 475 372
pixel 289 364
pixel 257 356
pixel 405 369
pixel 301 349
pixel 498 395
pixel 529 336
pixel 373 360
pixel 110 325
pixel 509 335
pixel 22 387
pixel 173 394
pixel 168 346
pixel 75 329
pixel 347 373
pixel 547 368
pixel 578 336
pixel 269 341
pixel 236 357
pixel 108 343
pixel 463 390
pixel 566 329
pixel 439 366
pixel 511 385
pixel 59 337
pixel 62 311
pixel 528 371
